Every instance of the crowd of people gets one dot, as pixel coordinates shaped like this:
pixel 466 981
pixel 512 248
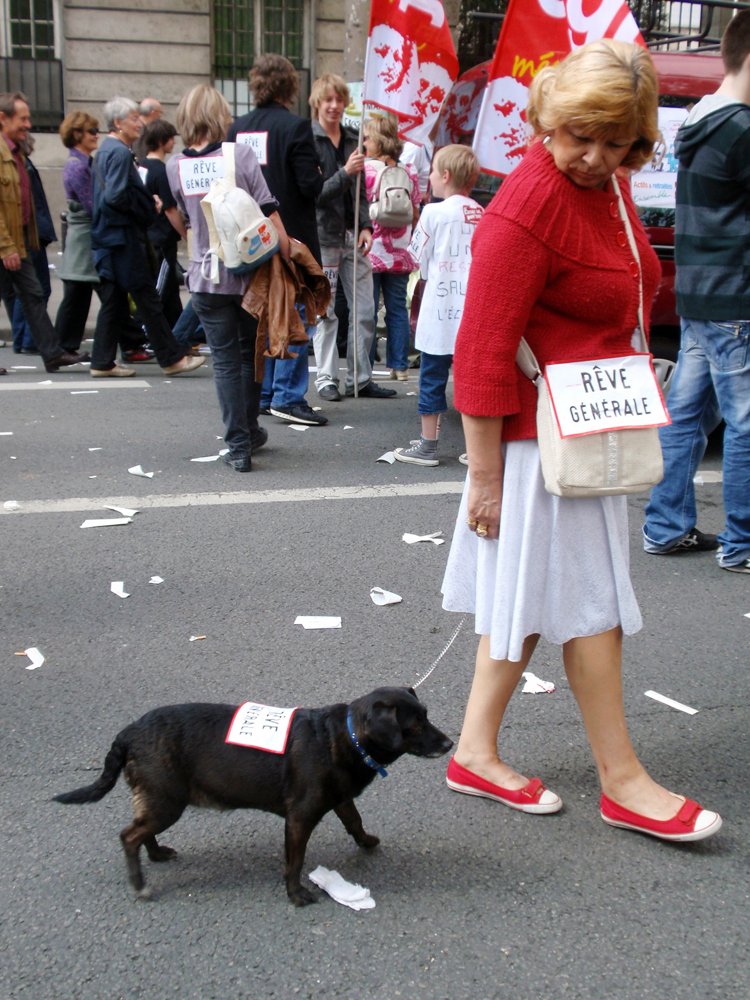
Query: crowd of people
pixel 559 259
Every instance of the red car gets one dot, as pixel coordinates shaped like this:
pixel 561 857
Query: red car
pixel 684 78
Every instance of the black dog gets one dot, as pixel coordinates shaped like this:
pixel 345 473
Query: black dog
pixel 176 756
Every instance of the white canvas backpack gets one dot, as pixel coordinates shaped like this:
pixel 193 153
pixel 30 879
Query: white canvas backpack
pixel 238 231
pixel 391 204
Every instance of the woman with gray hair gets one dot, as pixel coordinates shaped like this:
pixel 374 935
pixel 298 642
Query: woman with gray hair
pixel 122 212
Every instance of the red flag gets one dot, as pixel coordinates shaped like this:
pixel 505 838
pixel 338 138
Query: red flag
pixel 537 33
pixel 410 64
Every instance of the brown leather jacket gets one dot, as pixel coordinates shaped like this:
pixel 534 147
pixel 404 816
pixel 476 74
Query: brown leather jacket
pixel 275 289
pixel 11 224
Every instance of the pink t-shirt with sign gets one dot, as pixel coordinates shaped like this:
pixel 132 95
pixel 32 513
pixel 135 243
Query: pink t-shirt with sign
pixel 390 247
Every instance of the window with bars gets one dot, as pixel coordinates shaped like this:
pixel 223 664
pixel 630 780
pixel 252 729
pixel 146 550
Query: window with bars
pixel 243 30
pixel 31 26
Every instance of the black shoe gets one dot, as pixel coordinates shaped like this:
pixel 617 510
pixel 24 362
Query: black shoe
pixel 238 464
pixel 65 359
pixel 330 393
pixel 28 350
pixel 373 390
pixel 301 414
pixel 258 438
pixel 694 541
pixel 265 411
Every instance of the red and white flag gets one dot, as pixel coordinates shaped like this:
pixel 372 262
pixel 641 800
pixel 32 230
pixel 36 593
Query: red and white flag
pixel 537 33
pixel 410 64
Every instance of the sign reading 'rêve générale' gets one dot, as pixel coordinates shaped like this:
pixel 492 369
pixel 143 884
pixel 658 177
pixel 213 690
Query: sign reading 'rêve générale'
pixel 607 394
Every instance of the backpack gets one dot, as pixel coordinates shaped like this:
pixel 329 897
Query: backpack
pixel 391 205
pixel 238 232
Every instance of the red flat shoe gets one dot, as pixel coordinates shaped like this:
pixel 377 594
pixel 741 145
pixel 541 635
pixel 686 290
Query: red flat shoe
pixel 692 822
pixel 532 798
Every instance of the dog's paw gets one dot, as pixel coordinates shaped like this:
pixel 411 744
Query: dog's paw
pixel 162 854
pixel 144 894
pixel 301 896
pixel 369 841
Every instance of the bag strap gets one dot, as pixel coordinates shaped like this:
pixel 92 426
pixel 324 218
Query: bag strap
pixel 227 150
pixel 525 358
pixel 380 168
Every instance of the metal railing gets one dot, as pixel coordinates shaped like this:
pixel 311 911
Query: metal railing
pixel 41 80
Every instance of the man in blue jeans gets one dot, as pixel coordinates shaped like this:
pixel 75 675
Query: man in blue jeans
pixel 712 286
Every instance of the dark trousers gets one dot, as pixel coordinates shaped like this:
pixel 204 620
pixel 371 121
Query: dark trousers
pixel 114 308
pixel 28 292
pixel 22 335
pixel 73 313
pixel 171 302
pixel 230 333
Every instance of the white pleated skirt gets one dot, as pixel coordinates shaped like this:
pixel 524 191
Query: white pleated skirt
pixel 560 568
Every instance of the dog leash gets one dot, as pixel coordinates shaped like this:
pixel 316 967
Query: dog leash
pixel 447 646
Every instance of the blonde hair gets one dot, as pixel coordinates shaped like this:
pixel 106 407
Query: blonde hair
pixel 384 133
pixel 461 163
pixel 203 114
pixel 603 88
pixel 321 87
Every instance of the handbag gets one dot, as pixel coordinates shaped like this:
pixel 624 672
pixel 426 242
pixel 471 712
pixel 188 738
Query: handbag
pixel 604 463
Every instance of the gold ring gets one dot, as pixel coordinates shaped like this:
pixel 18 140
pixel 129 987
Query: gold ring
pixel 481 530
pixel 471 522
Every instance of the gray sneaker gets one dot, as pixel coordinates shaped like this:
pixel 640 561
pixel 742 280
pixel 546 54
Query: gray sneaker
pixel 422 453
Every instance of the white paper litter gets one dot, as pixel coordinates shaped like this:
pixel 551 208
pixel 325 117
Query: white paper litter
pixel 83 392
pixel 317 408
pixel 106 522
pixel 205 458
pixel 708 477
pixel 93 477
pixel 219 437
pixel 411 394
pixel 412 539
pixel 156 579
pixel 534 684
pixel 14 457
pixel 317 621
pixel 672 704
pixel 747 613
pixel 138 471
pixel 387 457
pixel 5 433
pixel 125 511
pixel 348 427
pixel 12 505
pixel 95 449
pixel 297 427
pixel 35 656
pixel 47 381
pixel 382 597
pixel 24 368
pixel 347 893
pixel 118 587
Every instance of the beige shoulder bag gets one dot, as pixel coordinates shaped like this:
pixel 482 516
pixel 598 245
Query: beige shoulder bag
pixel 590 462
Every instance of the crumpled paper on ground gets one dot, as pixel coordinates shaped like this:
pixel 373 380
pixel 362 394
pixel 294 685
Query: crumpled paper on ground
pixel 318 621
pixel 534 685
pixel 434 537
pixel 382 597
pixel 137 470
pixel 346 893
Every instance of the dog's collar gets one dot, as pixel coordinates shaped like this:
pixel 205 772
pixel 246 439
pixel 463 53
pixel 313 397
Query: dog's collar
pixel 363 754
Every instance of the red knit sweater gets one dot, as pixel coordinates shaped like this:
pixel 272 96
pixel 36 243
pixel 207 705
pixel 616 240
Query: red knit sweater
pixel 550 262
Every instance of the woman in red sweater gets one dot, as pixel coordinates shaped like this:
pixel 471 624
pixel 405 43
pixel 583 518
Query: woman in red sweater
pixel 551 262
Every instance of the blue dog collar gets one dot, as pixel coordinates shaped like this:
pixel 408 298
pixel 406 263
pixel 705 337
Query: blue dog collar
pixel 365 756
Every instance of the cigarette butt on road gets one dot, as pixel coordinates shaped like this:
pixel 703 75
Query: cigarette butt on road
pixel 195 638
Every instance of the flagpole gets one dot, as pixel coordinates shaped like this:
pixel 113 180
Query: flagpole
pixel 356 250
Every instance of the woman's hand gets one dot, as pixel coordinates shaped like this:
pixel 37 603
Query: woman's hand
pixel 484 447
pixel 355 164
pixel 365 241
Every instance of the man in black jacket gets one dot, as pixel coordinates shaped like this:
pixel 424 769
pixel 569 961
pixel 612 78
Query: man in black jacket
pixel 284 147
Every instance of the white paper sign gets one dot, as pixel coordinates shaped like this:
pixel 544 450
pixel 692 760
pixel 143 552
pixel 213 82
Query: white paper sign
pixel 143 174
pixel 197 172
pixel 655 184
pixel 259 143
pixel 332 273
pixel 419 240
pixel 260 726
pixel 607 394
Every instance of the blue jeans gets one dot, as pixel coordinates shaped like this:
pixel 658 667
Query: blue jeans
pixel 712 380
pixel 433 378
pixel 393 286
pixel 230 333
pixel 285 381
pixel 185 330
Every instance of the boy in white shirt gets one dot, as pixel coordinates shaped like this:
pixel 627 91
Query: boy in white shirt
pixel 441 245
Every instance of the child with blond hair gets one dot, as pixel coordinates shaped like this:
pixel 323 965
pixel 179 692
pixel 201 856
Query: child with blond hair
pixel 441 246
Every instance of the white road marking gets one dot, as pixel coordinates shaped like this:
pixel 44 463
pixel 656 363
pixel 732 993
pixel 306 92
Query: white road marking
pixel 391 490
pixel 115 383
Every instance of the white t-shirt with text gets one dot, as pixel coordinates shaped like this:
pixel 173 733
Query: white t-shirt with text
pixel 441 245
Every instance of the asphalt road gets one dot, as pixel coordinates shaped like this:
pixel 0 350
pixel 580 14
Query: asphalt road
pixel 474 901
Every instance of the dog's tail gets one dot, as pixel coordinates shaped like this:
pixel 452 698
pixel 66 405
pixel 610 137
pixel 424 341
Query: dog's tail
pixel 113 764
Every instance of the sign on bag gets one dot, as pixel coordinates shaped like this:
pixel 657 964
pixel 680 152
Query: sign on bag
pixel 331 271
pixel 258 142
pixel 261 727
pixel 608 394
pixel 197 172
